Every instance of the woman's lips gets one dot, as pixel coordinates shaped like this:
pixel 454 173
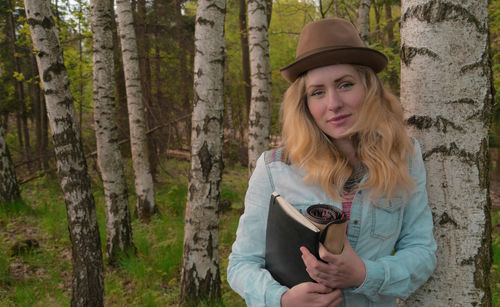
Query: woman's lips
pixel 339 120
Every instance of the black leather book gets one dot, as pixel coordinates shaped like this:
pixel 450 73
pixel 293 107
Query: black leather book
pixel 287 231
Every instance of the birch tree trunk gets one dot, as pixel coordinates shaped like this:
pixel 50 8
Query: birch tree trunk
pixel 9 189
pixel 88 279
pixel 146 205
pixel 446 91
pixel 364 20
pixel 260 74
pixel 109 158
pixel 200 265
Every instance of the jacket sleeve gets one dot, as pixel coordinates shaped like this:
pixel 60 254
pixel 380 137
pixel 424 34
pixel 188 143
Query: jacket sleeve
pixel 246 273
pixel 414 259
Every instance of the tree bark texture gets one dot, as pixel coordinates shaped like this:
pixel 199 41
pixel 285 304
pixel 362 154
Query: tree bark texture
pixel 200 267
pixel 364 20
pixel 260 67
pixel 446 90
pixel 245 57
pixel 9 189
pixel 109 158
pixel 146 205
pixel 88 278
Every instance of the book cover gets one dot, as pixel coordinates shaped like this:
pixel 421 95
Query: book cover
pixel 288 230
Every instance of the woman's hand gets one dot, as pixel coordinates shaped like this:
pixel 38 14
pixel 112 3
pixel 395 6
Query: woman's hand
pixel 310 294
pixel 341 271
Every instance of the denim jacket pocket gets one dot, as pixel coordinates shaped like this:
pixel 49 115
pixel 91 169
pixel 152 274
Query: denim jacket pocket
pixel 386 218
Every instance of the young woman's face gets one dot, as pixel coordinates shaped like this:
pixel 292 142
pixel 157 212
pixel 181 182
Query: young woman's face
pixel 335 95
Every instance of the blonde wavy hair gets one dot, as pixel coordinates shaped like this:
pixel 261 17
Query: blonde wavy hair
pixel 379 134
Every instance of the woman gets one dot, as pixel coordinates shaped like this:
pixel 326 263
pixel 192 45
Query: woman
pixel 345 145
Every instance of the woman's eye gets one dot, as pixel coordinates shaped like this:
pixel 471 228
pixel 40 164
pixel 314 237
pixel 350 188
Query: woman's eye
pixel 317 93
pixel 346 85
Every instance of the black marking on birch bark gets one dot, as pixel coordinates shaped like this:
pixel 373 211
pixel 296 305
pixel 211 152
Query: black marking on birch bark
pixel 426 122
pixel 144 207
pixel 445 219
pixel 462 101
pixel 438 11
pixel 221 10
pixel 472 66
pixel 199 72
pixel 198 50
pixel 219 61
pixel 468 261
pixel 205 22
pixel 476 115
pixel 196 97
pixel 489 99
pixel 407 53
pixel 66 137
pixel 261 98
pixel 77 182
pixel 257 120
pixel 198 130
pixel 483 159
pixel 260 5
pixel 453 150
pixel 195 288
pixel 258 29
pixel 210 248
pixel 56 69
pixel 46 22
pixel 205 161
pixel 207 120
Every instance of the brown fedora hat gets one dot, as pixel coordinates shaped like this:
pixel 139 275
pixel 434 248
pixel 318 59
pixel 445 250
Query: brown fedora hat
pixel 331 41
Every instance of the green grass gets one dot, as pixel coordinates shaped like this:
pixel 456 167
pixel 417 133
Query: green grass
pixel 42 276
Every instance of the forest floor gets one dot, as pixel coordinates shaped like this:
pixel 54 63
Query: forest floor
pixel 35 250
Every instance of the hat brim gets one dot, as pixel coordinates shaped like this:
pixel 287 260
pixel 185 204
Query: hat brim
pixel 351 55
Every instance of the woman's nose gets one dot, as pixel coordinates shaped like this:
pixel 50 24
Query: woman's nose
pixel 334 101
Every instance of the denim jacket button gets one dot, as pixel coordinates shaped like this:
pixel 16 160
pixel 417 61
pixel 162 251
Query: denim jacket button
pixel 355 222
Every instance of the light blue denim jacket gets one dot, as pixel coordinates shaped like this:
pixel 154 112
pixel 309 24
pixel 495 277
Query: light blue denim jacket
pixel 395 241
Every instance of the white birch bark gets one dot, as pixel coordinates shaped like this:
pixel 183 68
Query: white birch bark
pixel 364 20
pixel 447 97
pixel 144 188
pixel 200 267
pixel 87 277
pixel 9 189
pixel 260 75
pixel 109 158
